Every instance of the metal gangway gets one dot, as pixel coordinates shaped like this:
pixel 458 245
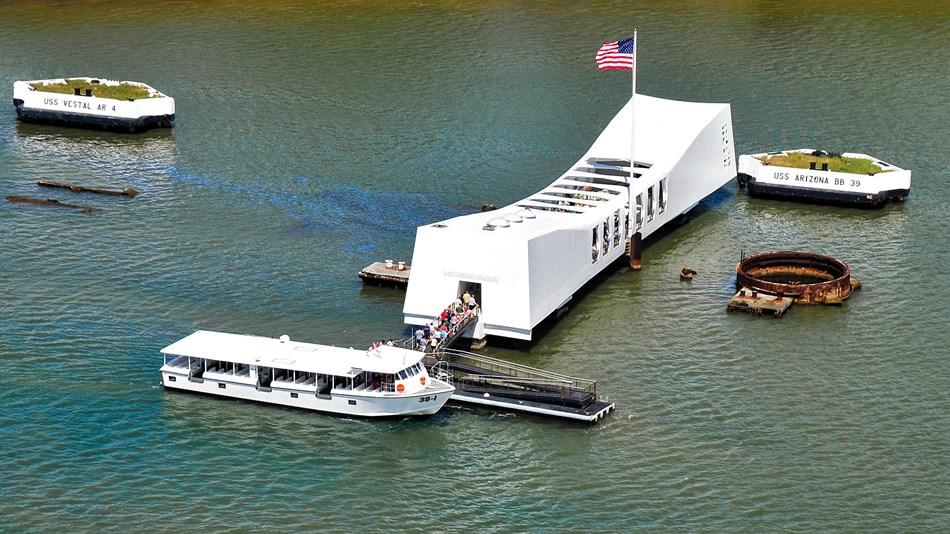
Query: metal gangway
pixel 454 333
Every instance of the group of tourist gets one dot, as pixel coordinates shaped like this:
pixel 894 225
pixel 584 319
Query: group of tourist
pixel 586 198
pixel 446 324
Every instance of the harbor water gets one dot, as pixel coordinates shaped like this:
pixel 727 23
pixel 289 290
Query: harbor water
pixel 313 137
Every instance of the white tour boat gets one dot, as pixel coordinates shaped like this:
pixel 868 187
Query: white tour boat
pixel 381 381
pixel 86 110
pixel 526 260
pixel 821 184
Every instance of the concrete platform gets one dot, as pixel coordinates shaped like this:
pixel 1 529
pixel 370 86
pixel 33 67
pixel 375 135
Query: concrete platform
pixel 756 302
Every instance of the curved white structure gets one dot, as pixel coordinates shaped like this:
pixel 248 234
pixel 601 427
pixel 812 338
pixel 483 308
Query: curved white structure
pixel 382 381
pixel 527 259
pixel 761 179
pixel 88 111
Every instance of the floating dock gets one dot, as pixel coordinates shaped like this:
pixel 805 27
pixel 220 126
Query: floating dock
pixel 388 273
pixel 489 382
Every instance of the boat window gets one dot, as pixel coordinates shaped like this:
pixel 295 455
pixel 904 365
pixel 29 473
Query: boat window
pixel 283 375
pixel 593 247
pixel 606 236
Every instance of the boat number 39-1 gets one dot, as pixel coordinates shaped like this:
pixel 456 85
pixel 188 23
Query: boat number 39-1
pixel 427 399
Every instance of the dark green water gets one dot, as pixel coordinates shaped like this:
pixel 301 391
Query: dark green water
pixel 311 140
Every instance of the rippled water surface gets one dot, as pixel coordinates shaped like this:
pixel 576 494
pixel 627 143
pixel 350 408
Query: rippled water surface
pixel 313 137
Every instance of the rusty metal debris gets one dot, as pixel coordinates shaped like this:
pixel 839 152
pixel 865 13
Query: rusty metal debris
pixel 127 192
pixel 51 202
pixel 687 274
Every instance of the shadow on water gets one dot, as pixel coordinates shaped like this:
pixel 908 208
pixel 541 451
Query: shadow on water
pixel 33 129
pixel 67 152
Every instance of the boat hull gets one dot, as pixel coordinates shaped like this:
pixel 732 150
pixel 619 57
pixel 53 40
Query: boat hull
pixel 341 402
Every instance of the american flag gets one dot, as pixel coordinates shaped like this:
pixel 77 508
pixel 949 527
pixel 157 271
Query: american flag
pixel 616 55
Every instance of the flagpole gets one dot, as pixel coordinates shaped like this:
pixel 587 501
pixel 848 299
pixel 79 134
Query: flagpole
pixel 633 105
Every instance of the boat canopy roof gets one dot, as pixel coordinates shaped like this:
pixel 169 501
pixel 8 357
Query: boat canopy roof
pixel 292 355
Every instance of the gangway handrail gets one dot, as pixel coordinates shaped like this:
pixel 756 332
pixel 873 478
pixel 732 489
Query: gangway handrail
pixel 456 330
pixel 530 371
pixel 468 316
pixel 513 374
pixel 501 379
